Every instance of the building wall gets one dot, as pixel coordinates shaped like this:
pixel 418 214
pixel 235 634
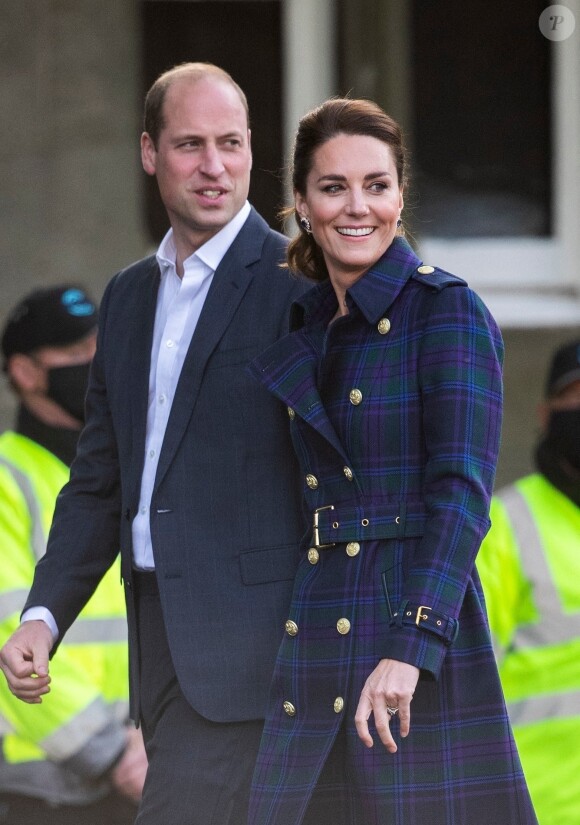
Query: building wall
pixel 70 175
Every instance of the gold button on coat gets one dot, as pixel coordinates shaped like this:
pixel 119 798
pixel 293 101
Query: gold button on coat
pixel 291 412
pixel 289 708
pixel 338 704
pixel 348 473
pixel 312 481
pixel 355 396
pixel 425 270
pixel 291 628
pixel 384 326
pixel 343 626
pixel 313 555
pixel 352 548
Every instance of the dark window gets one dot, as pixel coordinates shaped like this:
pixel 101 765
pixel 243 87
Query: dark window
pixel 481 131
pixel 243 38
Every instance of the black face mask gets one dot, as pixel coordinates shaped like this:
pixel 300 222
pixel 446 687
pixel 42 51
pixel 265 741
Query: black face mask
pixel 564 435
pixel 67 386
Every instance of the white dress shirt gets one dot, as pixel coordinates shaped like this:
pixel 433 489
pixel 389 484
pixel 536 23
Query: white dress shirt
pixel 179 305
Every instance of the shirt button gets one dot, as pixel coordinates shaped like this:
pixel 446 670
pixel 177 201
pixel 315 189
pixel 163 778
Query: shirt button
pixel 289 708
pixel 143 510
pixel 169 343
pixel 355 397
pixel 162 399
pixel 348 473
pixel 291 628
pixel 312 481
pixel 343 626
pixel 384 326
pixel 151 453
pixel 352 548
pixel 338 704
pixel 313 555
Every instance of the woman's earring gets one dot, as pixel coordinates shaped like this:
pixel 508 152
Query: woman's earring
pixel 305 224
pixel 399 222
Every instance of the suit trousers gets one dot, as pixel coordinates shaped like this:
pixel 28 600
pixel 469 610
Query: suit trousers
pixel 200 771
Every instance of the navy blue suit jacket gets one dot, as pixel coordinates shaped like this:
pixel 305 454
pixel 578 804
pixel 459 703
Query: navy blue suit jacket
pixel 225 513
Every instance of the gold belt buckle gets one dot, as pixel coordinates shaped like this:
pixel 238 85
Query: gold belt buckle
pixel 422 617
pixel 315 534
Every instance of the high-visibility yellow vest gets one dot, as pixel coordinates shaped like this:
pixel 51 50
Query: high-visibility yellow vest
pixel 530 569
pixel 56 749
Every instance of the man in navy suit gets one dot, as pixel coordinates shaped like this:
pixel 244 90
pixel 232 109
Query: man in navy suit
pixel 185 465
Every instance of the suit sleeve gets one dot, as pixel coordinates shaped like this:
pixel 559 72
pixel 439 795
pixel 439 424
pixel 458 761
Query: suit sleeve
pixel 84 537
pixel 460 383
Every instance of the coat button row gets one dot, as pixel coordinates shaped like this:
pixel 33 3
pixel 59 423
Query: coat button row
pixel 343 626
pixel 338 706
pixel 352 550
pixel 291 628
pixel 312 481
pixel 313 555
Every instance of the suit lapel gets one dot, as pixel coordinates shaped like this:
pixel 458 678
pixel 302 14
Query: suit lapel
pixel 140 342
pixel 230 282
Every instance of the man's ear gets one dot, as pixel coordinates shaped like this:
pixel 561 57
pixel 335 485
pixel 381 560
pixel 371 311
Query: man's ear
pixel 148 153
pixel 25 374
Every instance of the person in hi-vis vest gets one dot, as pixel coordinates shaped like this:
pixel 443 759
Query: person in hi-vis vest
pixel 73 759
pixel 530 569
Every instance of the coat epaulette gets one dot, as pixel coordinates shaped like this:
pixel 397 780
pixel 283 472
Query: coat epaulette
pixel 436 278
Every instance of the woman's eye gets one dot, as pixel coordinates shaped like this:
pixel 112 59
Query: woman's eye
pixel 332 188
pixel 379 186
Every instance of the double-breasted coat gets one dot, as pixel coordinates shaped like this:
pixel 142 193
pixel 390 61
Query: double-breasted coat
pixel 395 413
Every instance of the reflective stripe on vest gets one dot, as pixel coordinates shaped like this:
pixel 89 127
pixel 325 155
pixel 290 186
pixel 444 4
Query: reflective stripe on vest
pixel 37 539
pixel 554 626
pixel 71 738
pixel 551 706
pixel 12 602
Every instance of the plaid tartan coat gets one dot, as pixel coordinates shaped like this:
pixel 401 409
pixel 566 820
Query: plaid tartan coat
pixel 395 414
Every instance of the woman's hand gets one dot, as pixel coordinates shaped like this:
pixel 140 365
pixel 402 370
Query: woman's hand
pixel 391 684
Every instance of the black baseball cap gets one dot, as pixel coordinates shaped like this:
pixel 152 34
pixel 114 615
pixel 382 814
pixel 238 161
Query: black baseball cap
pixel 564 369
pixel 51 317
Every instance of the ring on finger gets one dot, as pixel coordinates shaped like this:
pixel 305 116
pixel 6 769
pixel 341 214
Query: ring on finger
pixel 392 711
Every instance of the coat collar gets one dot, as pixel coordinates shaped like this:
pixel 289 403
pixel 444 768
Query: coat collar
pixel 373 293
pixel 288 368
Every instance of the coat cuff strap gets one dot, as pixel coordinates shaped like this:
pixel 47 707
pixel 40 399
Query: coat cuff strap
pixel 426 618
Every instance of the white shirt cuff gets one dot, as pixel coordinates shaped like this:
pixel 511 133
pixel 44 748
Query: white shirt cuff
pixel 34 613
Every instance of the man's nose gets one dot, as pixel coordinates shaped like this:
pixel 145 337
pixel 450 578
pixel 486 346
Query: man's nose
pixel 211 162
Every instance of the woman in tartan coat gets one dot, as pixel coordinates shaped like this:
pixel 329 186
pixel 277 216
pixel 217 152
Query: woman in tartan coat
pixel 386 705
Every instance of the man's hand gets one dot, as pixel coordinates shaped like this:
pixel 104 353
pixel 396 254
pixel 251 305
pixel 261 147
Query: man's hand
pixel 390 685
pixel 128 774
pixel 24 660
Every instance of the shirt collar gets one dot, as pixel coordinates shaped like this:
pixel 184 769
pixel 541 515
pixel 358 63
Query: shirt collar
pixel 212 252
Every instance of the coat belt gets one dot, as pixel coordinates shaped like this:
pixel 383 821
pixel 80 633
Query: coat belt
pixel 336 523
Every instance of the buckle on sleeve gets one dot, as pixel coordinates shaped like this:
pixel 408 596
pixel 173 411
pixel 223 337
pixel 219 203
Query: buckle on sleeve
pixel 420 616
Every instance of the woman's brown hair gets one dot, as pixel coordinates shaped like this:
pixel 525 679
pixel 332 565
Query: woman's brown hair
pixel 334 117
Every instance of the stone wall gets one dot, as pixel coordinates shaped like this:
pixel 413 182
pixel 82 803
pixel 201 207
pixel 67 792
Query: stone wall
pixel 70 173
